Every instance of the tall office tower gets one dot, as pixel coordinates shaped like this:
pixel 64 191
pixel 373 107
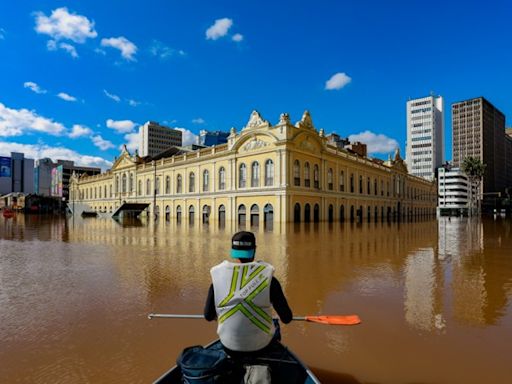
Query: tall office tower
pixel 478 130
pixel 209 138
pixel 425 136
pixel 43 176
pixel 156 138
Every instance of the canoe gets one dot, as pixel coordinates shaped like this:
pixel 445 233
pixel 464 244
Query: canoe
pixel 285 366
pixel 89 214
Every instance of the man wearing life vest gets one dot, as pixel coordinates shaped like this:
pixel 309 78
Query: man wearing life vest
pixel 241 298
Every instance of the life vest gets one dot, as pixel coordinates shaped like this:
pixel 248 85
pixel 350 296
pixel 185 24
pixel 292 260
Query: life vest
pixel 242 302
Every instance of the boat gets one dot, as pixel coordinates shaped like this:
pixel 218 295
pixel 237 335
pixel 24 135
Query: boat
pixel 8 213
pixel 89 214
pixel 285 366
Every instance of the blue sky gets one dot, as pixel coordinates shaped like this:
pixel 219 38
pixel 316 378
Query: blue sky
pixel 78 77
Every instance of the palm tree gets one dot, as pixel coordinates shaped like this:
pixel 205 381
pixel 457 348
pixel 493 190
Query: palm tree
pixel 474 169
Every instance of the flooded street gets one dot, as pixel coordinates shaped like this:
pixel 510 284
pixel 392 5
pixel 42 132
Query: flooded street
pixel 434 298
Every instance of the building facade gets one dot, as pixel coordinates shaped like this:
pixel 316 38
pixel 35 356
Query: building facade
pixel 425 136
pixel 16 174
pixel 43 176
pixel 155 138
pixel 209 138
pixel 454 191
pixel 264 173
pixel 479 131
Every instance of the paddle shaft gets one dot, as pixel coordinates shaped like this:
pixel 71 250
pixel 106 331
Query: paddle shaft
pixel 177 316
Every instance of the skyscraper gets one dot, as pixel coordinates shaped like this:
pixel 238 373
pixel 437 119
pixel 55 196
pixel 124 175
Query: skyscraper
pixel 479 131
pixel 425 136
pixel 156 138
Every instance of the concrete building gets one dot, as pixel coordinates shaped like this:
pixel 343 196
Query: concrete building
pixel 454 192
pixel 209 138
pixel 264 173
pixel 63 170
pixel 43 176
pixel 478 130
pixel 17 174
pixel 156 138
pixel 425 136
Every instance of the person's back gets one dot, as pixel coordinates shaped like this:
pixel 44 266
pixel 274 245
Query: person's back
pixel 241 297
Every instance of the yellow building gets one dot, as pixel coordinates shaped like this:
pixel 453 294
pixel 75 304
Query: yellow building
pixel 265 173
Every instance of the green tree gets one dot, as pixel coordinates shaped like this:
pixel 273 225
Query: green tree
pixel 474 170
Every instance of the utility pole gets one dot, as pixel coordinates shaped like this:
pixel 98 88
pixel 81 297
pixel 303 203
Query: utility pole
pixel 154 189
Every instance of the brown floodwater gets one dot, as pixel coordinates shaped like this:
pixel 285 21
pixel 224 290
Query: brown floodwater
pixel 434 298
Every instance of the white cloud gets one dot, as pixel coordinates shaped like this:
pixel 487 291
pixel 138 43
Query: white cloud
pixel 133 103
pixel 376 143
pixel 159 49
pixel 15 122
pixel 34 87
pixel 219 29
pixel 198 120
pixel 116 98
pixel 39 151
pixel 127 48
pixel 64 25
pixel 337 81
pixel 237 37
pixel 69 49
pixel 188 136
pixel 132 141
pixel 121 126
pixel 101 143
pixel 65 96
pixel 79 131
pixel 2 34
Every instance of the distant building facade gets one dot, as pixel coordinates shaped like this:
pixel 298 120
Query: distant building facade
pixel 43 176
pixel 425 136
pixel 264 173
pixel 454 191
pixel 209 138
pixel 16 174
pixel 478 130
pixel 155 138
pixel 61 175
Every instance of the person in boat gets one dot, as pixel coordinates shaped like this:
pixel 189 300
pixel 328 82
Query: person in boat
pixel 241 297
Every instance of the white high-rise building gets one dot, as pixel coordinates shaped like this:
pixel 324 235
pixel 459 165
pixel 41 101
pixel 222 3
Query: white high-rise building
pixel 454 191
pixel 156 138
pixel 425 136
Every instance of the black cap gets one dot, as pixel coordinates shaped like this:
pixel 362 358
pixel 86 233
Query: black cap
pixel 243 241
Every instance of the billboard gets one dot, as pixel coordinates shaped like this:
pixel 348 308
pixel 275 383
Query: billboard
pixel 5 167
pixel 56 186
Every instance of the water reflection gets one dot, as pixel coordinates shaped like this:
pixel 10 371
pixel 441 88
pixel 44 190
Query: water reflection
pixel 74 284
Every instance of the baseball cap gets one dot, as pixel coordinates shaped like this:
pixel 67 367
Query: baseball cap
pixel 243 245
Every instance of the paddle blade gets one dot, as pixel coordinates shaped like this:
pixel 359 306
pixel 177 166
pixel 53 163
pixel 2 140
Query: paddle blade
pixel 335 319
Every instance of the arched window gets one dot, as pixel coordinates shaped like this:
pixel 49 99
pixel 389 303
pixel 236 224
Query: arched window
pixel 130 185
pixel 123 183
pixel 307 213
pixel 206 214
pixel 351 183
pixel 117 184
pixel 242 176
pixel 241 215
pixel 330 215
pixel 307 178
pixel 296 173
pixel 360 184
pixel 148 187
pixel 179 184
pixel 110 190
pixel 268 216
pixel 368 186
pixel 191 212
pixel 140 188
pixel 222 216
pixel 382 188
pixel 167 185
pixel 342 181
pixel 178 214
pixel 296 213
pixel 167 213
pixel 157 186
pixel 255 215
pixel 330 184
pixel 316 213
pixel 191 182
pixel 99 192
pixel 206 180
pixel 316 176
pixel 269 173
pixel 222 178
pixel 105 192
pixel 375 184
pixel 255 174
pixel 342 214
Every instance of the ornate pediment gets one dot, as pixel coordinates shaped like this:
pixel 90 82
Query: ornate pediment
pixel 309 145
pixel 256 121
pixel 306 121
pixel 253 144
pixel 124 160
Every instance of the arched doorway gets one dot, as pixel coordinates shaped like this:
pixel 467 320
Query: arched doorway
pixel 360 214
pixel 191 212
pixel 268 216
pixel 222 216
pixel 296 213
pixel 206 214
pixel 316 213
pixel 352 216
pixel 342 213
pixel 157 212
pixel 307 213
pixel 241 216
pixel 369 214
pixel 178 214
pixel 331 213
pixel 167 213
pixel 255 215
pixel 376 214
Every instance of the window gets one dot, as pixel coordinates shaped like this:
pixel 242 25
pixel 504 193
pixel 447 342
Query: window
pixel 368 186
pixel 342 181
pixel 167 185
pixel 269 173
pixel 316 176
pixel 242 176
pixel 307 182
pixel 179 184
pixel 330 185
pixel 117 184
pixel 140 188
pixel 255 174
pixel 123 183
pixel 206 181
pixel 157 186
pixel 222 178
pixel 131 183
pixel 148 187
pixel 375 185
pixel 360 184
pixel 296 173
pixel 352 183
pixel 191 182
